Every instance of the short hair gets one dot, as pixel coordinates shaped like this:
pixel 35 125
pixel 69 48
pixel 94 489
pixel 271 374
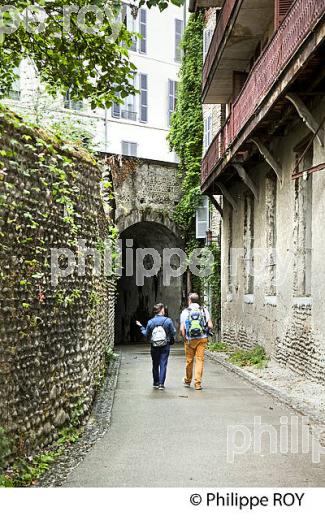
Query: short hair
pixel 157 308
pixel 194 297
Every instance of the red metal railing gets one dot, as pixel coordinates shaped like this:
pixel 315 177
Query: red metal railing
pixel 218 33
pixel 299 21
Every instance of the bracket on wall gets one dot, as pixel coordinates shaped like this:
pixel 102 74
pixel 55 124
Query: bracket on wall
pixel 306 116
pixel 227 195
pixel 216 204
pixel 246 179
pixel 276 167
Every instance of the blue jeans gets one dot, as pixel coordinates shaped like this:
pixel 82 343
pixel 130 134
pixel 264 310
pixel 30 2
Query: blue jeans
pixel 159 357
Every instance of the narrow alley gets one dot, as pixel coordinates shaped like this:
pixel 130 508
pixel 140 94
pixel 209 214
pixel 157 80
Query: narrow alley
pixel 178 437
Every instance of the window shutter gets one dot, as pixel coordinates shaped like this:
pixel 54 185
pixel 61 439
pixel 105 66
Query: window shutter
pixel 143 30
pixel 133 149
pixel 207 132
pixel 172 86
pixel 238 80
pixel 202 218
pixel 207 36
pixel 281 9
pixel 178 38
pixel 143 98
pixel 116 110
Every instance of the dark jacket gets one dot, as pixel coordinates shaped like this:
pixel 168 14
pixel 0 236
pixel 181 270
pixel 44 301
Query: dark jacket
pixel 155 322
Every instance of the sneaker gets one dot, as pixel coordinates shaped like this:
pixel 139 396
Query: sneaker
pixel 161 387
pixel 198 388
pixel 186 384
pixel 156 385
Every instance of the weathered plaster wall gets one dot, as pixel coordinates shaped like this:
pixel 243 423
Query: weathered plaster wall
pixel 288 324
pixel 53 339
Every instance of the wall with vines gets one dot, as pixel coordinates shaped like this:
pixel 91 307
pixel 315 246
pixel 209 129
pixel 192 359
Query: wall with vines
pixel 186 138
pixel 53 339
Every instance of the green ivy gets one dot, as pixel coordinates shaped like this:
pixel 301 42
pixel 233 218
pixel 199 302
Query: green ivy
pixel 186 133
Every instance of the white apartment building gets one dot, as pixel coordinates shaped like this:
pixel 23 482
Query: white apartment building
pixel 140 125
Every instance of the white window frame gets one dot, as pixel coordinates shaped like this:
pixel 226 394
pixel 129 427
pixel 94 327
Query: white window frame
pixel 178 38
pixel 207 135
pixel 207 37
pixel 129 145
pixel 204 205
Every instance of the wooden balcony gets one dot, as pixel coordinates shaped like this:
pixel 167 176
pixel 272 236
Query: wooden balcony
pixel 240 28
pixel 301 32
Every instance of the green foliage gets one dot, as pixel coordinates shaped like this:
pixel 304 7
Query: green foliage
pixel 26 471
pixel 110 355
pixel 256 357
pixel 218 347
pixel 186 133
pixel 4 448
pixel 94 65
pixel 73 131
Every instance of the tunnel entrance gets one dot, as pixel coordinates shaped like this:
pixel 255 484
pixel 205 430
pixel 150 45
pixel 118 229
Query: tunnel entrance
pixel 135 302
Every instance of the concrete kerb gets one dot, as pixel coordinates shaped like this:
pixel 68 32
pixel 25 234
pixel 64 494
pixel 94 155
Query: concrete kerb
pixel 266 388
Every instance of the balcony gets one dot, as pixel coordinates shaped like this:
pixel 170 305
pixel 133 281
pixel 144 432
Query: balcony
pixel 242 25
pixel 194 5
pixel 277 66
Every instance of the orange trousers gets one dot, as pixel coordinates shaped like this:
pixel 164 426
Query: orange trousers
pixel 195 349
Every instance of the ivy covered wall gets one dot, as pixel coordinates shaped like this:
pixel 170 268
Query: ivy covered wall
pixel 186 138
pixel 53 339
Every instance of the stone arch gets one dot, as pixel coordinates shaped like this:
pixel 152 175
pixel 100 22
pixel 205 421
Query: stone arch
pixel 136 216
pixel 135 301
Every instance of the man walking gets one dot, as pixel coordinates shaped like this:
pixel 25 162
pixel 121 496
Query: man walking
pixel 195 326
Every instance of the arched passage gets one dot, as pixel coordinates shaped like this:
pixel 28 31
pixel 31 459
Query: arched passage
pixel 136 293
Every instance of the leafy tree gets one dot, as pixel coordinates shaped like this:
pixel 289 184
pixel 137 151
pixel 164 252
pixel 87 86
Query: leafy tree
pixel 89 56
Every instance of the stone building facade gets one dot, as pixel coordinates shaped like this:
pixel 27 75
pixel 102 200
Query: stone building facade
pixel 54 337
pixel 146 193
pixel 267 160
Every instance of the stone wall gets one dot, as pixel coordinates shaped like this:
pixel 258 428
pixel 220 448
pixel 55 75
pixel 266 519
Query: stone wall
pixel 53 339
pixel 146 193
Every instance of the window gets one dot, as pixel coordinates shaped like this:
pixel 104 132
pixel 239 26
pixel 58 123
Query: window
pixel 207 137
pixel 15 90
pixel 271 233
pixel 129 148
pixel 143 85
pixel 303 225
pixel 172 98
pixel 202 218
pixel 130 23
pixel 207 37
pixel 249 243
pixel 143 30
pixel 126 110
pixel 72 104
pixel 178 38
pixel 135 22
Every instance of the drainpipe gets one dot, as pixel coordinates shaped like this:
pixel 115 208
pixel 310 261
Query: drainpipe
pixel 106 130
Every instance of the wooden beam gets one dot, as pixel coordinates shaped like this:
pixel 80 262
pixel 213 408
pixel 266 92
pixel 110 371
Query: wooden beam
pixel 227 195
pixel 306 116
pixel 246 179
pixel 276 167
pixel 216 204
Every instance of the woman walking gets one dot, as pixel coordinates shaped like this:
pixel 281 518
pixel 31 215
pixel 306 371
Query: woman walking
pixel 160 331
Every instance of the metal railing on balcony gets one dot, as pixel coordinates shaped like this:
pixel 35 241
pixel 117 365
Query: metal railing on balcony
pixel 298 23
pixel 219 31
